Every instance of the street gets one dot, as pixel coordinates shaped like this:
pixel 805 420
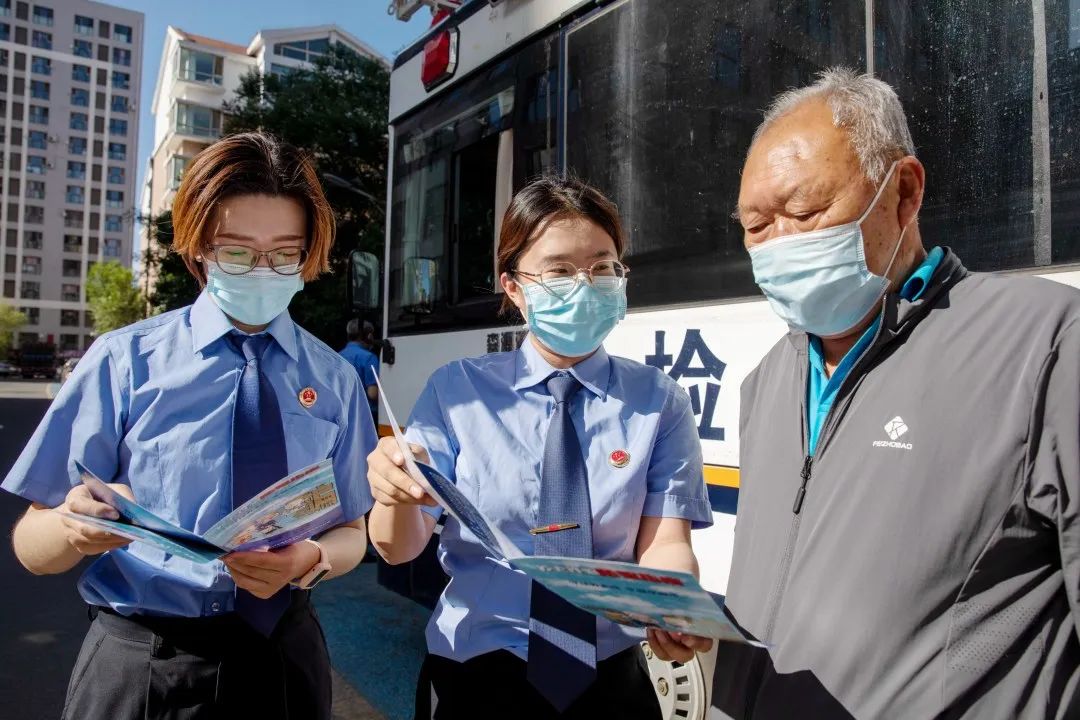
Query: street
pixel 375 637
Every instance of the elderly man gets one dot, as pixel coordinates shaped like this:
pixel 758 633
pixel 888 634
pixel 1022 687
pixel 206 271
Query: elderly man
pixel 908 540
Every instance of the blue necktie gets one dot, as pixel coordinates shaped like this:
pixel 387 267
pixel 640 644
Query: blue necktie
pixel 562 637
pixel 259 460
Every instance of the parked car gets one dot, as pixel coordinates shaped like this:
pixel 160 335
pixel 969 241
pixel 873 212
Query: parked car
pixel 7 370
pixel 67 368
pixel 37 360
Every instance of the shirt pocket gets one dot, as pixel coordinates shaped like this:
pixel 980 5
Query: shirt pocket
pixel 308 439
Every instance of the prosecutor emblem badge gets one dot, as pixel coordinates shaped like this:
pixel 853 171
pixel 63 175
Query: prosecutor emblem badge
pixel 619 458
pixel 308 396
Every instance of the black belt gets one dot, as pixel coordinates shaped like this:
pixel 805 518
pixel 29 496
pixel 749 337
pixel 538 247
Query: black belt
pixel 201 635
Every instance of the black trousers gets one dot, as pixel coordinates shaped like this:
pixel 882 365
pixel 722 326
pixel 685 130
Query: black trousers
pixel 494 686
pixel 154 668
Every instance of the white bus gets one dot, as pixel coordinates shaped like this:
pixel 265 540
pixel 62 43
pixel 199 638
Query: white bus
pixel 654 102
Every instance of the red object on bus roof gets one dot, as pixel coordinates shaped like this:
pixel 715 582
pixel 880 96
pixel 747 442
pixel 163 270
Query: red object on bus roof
pixel 440 54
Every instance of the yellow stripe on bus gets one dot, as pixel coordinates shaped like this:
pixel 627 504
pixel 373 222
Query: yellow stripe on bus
pixel 721 475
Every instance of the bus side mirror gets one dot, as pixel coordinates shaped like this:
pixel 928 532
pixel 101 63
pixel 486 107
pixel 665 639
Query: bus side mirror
pixel 364 280
pixel 388 352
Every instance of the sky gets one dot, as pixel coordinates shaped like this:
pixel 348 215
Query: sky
pixel 237 21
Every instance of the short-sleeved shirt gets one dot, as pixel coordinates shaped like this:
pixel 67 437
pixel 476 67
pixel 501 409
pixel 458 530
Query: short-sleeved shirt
pixel 151 406
pixel 484 422
pixel 367 367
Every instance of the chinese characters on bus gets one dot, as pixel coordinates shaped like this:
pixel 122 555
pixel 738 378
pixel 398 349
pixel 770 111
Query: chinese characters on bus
pixel 694 360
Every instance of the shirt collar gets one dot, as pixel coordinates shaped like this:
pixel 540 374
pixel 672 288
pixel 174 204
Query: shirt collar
pixel 209 323
pixel 919 280
pixel 593 372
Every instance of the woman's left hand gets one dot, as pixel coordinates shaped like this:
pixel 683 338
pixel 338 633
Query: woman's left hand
pixel 677 647
pixel 263 572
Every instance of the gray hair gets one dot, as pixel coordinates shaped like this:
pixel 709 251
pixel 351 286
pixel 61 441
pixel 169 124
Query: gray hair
pixel 866 107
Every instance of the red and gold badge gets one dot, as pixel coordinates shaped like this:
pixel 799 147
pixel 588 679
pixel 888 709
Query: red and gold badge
pixel 308 396
pixel 619 458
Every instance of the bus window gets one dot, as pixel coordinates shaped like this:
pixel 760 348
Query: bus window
pixel 661 100
pixel 457 160
pixel 1063 70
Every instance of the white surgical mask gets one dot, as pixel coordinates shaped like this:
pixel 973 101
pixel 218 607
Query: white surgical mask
pixel 254 298
pixel 818 281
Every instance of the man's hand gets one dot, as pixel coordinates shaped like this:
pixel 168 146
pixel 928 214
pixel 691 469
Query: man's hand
pixel 677 647
pixel 263 572
pixel 86 539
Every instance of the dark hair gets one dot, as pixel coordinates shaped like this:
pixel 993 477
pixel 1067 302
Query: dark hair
pixel 358 332
pixel 543 201
pixel 250 164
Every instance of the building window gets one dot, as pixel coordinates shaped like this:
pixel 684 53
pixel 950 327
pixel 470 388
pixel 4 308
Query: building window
pixel 42 40
pixel 5 31
pixel 43 16
pixel 33 214
pixel 112 248
pixel 40 65
pixel 83 48
pixel 117 151
pixel 35 164
pixel 72 268
pixel 280 70
pixel 39 89
pixel 5 8
pixel 117 127
pixel 79 121
pixel 177 165
pixel 116 175
pixel 84 25
pixel 305 50
pixel 69 318
pixel 35 189
pixel 80 73
pixel 76 170
pixel 197 120
pixel 121 80
pixel 73 219
pixel 32 239
pixel 38 139
pixel 201 67
pixel 76 146
pixel 72 243
pixel 75 194
pixel 121 56
pixel 69 343
pixel 80 97
pixel 31 290
pixel 123 32
pixel 31 265
pixel 69 292
pixel 119 104
pixel 39 115
pixel 114 199
pixel 33 315
pixel 114 223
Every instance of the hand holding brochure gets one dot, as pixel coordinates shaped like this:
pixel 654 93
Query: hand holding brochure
pixel 624 593
pixel 292 509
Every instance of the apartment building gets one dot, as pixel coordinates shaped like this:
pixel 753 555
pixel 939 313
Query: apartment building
pixel 69 79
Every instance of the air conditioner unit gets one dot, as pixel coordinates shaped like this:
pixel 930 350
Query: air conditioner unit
pixel 50 164
pixel 53 138
pixel 405 9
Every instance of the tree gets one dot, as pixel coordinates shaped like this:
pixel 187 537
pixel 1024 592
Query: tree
pixel 10 321
pixel 112 296
pixel 174 287
pixel 336 111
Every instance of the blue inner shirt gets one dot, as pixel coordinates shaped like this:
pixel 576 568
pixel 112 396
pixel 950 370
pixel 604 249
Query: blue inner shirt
pixel 821 389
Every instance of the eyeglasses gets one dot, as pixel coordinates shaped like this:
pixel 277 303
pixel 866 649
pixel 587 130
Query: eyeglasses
pixel 240 259
pixel 562 278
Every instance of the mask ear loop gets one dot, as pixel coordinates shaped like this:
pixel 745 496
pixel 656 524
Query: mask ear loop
pixel 873 204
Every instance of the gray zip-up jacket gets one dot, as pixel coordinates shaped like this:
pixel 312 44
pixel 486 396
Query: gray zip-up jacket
pixel 930 566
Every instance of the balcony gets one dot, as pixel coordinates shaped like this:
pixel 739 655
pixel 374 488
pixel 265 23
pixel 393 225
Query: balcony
pixel 197 67
pixel 192 123
pixel 177 165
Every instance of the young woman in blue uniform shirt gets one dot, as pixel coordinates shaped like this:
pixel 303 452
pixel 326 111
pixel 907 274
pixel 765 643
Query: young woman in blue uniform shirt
pixel 556 434
pixel 191 413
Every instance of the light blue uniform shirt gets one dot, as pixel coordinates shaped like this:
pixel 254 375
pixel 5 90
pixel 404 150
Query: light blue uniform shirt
pixel 151 405
pixel 484 422
pixel 821 388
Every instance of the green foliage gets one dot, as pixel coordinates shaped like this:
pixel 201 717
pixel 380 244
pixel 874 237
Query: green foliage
pixel 336 111
pixel 10 321
pixel 113 298
pixel 174 286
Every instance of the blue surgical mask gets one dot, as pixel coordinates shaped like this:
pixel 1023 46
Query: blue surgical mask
pixel 818 281
pixel 254 298
pixel 574 325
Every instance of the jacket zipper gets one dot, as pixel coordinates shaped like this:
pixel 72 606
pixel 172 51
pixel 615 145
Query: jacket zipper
pixel 800 495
